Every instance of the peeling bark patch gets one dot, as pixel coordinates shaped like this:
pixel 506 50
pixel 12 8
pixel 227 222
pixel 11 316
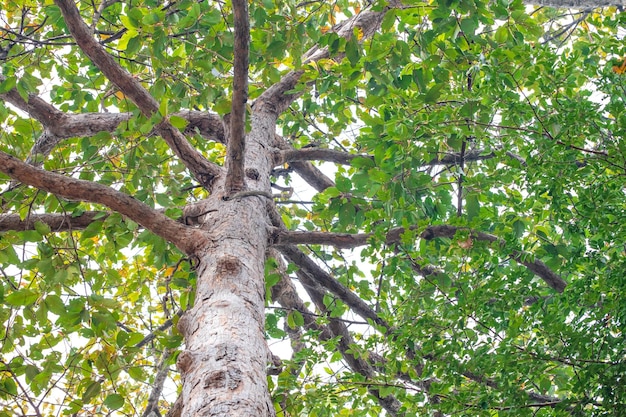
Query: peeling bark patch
pixel 226 351
pixel 229 379
pixel 252 173
pixel 228 265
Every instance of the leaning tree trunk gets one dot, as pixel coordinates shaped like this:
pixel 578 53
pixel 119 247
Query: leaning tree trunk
pixel 224 364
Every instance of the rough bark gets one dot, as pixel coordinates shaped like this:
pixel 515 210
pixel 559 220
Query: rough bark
pixel 223 365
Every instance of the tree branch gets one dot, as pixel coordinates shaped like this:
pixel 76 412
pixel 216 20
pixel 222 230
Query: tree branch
pixel 349 241
pixel 345 158
pixel 315 154
pixel 64 125
pixel 235 151
pixel 56 222
pixel 152 407
pixel 285 293
pixel 181 236
pixel 295 255
pixel 311 174
pixel 278 97
pixel 203 170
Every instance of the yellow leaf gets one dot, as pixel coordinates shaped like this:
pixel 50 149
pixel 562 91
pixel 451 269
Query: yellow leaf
pixel 585 26
pixel 119 95
pixel 327 64
pixel 620 69
pixel 359 33
pixel 466 244
pixel 332 20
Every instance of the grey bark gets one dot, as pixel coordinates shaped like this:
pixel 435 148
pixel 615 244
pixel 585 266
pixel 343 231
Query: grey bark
pixel 223 367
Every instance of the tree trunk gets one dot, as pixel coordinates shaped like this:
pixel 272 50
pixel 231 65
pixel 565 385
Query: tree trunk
pixel 224 364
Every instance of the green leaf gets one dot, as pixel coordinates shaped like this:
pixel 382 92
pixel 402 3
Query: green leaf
pixel 122 44
pixel 22 297
pixel 472 206
pixel 433 94
pixel 136 373
pixel 93 389
pixel 352 51
pixel 114 401
pixel 518 228
pixel 502 34
pixel 92 230
pixel 54 303
pixel 343 184
pixel 8 84
pixel 178 122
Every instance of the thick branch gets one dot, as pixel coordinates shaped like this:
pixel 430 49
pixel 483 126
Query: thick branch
pixel 182 236
pixel 315 154
pixel 64 125
pixel 235 152
pixel 43 112
pixel 202 169
pixel 58 125
pixel 348 241
pixel 311 174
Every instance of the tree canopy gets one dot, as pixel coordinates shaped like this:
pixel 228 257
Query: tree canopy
pixel 442 192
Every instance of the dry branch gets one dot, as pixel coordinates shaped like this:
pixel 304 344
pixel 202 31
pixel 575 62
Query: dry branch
pixel 182 236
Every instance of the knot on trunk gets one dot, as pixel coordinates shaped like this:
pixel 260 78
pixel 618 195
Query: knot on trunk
pixel 228 265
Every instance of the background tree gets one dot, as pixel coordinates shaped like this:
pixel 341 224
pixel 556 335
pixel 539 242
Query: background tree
pixel 459 249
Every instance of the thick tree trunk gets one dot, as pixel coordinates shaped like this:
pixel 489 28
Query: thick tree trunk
pixel 224 364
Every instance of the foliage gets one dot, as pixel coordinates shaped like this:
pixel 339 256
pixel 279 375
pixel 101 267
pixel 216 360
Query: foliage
pixel 532 127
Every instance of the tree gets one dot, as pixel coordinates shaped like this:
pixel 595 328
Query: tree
pixel 466 256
